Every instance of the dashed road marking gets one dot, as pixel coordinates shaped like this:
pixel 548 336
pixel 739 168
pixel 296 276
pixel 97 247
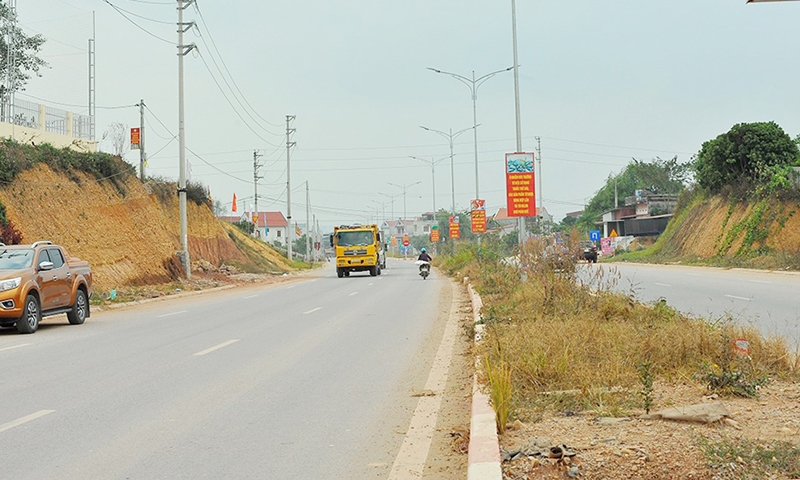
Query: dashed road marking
pixel 250 296
pixel 25 419
pixel 312 310
pixel 15 346
pixel 354 293
pixel 371 284
pixel 663 284
pixel 738 298
pixel 289 287
pixel 214 348
pixel 171 314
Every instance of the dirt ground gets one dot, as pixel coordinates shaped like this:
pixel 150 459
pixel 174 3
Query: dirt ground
pixel 655 449
pixel 447 459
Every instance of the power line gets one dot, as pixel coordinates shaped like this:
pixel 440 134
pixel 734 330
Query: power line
pixel 119 10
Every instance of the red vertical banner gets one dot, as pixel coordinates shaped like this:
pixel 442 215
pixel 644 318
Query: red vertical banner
pixel 434 234
pixel 136 138
pixel 455 227
pixel 520 185
pixel 478 215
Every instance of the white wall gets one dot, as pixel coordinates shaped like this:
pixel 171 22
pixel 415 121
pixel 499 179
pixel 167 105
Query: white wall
pixel 38 137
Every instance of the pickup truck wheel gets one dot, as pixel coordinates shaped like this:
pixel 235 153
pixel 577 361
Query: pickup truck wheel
pixel 29 321
pixel 77 315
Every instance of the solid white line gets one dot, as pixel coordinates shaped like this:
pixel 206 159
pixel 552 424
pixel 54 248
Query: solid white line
pixel 312 310
pixel 663 284
pixel 26 419
pixel 251 296
pixel 15 346
pixel 738 298
pixel 221 345
pixel 170 314
pixel 354 293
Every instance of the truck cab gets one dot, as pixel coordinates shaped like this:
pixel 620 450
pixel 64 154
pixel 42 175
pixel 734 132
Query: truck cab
pixel 358 249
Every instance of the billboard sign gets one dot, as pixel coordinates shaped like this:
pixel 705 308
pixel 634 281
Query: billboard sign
pixel 520 186
pixel 455 227
pixel 136 138
pixel 478 215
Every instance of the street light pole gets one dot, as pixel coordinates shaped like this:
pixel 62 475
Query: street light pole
pixel 391 198
pixel 450 137
pixel 433 164
pixel 473 85
pixel 405 187
pixel 521 221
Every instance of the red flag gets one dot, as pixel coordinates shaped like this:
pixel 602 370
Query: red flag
pixel 233 208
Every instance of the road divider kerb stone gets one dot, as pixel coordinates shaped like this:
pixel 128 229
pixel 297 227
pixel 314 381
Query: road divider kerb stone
pixel 484 445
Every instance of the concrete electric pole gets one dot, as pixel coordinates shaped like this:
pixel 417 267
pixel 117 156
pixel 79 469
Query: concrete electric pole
pixel 142 155
pixel 256 166
pixel 182 51
pixel 289 145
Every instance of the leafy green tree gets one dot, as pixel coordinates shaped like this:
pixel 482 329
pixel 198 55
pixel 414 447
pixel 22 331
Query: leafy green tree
pixel 747 156
pixel 24 48
pixel 657 176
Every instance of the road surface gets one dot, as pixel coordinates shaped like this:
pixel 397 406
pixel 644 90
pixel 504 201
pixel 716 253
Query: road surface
pixel 770 301
pixel 312 378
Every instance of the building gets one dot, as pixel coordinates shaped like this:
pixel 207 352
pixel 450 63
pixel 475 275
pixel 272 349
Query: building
pixel 270 226
pixel 644 214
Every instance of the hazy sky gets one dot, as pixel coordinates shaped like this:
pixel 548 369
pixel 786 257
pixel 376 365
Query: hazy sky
pixel 600 83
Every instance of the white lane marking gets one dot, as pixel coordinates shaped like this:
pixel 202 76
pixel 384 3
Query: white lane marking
pixel 15 346
pixel 694 274
pixel 171 314
pixel 738 298
pixel 250 296
pixel 25 419
pixel 289 287
pixel 371 284
pixel 761 281
pixel 354 293
pixel 217 347
pixel 312 310
pixel 663 284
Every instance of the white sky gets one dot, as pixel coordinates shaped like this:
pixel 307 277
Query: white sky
pixel 600 83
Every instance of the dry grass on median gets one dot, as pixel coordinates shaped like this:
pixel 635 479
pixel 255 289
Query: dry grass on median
pixel 572 347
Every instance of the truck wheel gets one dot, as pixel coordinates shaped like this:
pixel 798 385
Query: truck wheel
pixel 347 273
pixel 339 272
pixel 379 269
pixel 373 271
pixel 29 321
pixel 77 315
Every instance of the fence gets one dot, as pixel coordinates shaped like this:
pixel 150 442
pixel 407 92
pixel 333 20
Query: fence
pixel 54 120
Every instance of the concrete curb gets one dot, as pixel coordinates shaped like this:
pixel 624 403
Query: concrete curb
pixel 484 446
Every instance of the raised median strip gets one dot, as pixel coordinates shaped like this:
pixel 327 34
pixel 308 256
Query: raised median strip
pixel 484 445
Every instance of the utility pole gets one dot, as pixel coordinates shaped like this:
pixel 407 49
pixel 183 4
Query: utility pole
pixel 182 51
pixel 92 78
pixel 521 235
pixel 142 155
pixel 256 166
pixel 289 145
pixel 308 224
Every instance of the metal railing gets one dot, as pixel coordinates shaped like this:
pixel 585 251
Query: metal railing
pixel 55 120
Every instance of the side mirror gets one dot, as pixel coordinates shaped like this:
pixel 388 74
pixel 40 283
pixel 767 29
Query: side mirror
pixel 331 239
pixel 45 266
pixel 379 237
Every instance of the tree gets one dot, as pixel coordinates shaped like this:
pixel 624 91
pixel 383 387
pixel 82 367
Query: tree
pixel 656 176
pixel 117 135
pixel 23 49
pixel 748 155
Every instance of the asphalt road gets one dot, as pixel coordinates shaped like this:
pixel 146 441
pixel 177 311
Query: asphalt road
pixel 309 379
pixel 769 301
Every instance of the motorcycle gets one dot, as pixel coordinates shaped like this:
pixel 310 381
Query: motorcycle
pixel 424 269
pixel 590 253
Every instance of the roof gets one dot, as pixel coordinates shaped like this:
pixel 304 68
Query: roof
pixel 230 218
pixel 272 220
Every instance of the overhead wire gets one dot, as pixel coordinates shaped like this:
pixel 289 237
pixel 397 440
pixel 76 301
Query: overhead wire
pixel 118 10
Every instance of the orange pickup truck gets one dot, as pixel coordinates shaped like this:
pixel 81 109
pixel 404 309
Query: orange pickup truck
pixel 40 280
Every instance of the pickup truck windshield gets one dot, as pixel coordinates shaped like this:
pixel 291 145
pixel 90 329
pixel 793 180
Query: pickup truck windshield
pixel 15 259
pixel 351 239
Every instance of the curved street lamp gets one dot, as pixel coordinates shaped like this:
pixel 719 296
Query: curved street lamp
pixel 404 187
pixel 473 85
pixel 433 164
pixel 450 137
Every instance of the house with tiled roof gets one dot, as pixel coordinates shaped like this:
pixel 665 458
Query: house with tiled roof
pixel 270 226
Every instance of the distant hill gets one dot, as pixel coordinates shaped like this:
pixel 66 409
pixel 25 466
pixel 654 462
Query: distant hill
pixel 126 229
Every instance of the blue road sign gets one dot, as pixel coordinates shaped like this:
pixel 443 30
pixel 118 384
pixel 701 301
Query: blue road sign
pixel 594 235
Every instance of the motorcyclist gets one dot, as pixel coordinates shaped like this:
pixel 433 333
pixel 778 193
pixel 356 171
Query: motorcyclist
pixel 423 255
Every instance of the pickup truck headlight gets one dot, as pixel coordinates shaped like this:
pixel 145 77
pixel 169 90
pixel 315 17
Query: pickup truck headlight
pixel 10 284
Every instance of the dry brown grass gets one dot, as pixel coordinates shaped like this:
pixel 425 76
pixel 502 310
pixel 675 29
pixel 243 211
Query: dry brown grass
pixel 573 347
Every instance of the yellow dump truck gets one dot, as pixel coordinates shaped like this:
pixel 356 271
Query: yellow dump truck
pixel 358 249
